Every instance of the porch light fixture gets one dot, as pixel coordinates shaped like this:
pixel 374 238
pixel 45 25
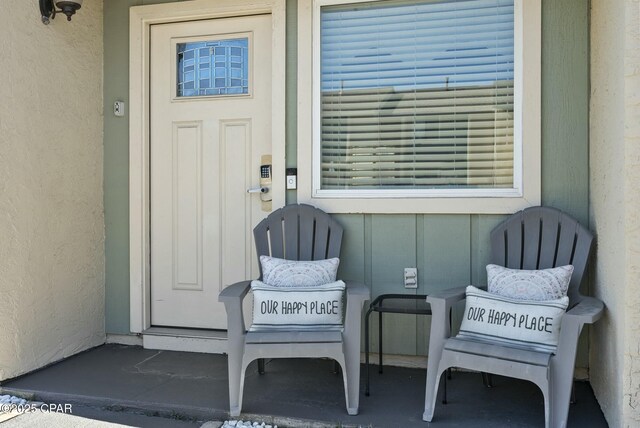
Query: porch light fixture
pixel 48 8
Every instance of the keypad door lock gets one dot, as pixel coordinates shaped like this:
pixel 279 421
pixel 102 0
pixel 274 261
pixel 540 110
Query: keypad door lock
pixel 264 188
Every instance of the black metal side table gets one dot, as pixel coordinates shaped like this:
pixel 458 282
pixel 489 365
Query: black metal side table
pixel 415 304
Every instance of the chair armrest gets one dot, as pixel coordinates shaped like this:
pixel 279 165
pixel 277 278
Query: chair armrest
pixel 448 297
pixel 232 297
pixel 441 303
pixel 356 294
pixel 234 292
pixel 587 311
pixel 357 290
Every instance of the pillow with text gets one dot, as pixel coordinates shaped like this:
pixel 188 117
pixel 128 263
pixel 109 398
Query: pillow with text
pixel 297 308
pixel 527 324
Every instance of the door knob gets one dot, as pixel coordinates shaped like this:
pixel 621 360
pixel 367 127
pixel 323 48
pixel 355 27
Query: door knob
pixel 260 189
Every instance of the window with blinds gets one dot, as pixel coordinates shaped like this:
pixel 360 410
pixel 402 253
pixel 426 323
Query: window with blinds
pixel 417 95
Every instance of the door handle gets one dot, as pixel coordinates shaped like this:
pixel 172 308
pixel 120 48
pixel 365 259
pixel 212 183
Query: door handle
pixel 260 189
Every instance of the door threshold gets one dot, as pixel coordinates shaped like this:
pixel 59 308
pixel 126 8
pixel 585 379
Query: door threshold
pixel 185 339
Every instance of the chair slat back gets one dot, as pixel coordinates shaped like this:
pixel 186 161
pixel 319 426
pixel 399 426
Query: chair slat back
pixel 298 232
pixel 542 238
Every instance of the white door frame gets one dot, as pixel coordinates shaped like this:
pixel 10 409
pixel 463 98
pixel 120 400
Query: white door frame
pixel 141 18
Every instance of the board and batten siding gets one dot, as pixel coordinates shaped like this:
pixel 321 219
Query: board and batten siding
pixel 448 250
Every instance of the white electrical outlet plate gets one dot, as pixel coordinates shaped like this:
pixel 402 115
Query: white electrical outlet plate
pixel 118 108
pixel 410 277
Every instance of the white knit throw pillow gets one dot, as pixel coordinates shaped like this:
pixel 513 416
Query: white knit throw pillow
pixel 545 284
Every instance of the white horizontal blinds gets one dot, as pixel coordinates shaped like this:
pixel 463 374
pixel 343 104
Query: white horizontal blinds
pixel 417 95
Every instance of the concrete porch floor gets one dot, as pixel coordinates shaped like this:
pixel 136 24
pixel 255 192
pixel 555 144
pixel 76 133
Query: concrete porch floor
pixel 193 387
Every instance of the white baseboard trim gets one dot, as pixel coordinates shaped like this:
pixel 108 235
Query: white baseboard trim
pixel 124 339
pixel 187 340
pixel 186 344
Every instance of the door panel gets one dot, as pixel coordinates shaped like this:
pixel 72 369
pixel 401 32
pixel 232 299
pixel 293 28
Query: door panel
pixel 210 116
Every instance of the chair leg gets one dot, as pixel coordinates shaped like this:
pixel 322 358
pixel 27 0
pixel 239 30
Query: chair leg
pixel 561 376
pixel 351 376
pixel 444 399
pixel 562 388
pixel 433 382
pixel 446 378
pixel 487 380
pixel 548 411
pixel 366 351
pixel 351 398
pixel 380 342
pixel 437 363
pixel 236 385
pixel 261 366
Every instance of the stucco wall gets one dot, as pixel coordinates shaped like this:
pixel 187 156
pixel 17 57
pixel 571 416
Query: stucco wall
pixel 51 209
pixel 631 376
pixel 615 206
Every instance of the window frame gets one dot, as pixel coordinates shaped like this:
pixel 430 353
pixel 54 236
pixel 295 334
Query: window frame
pixel 527 131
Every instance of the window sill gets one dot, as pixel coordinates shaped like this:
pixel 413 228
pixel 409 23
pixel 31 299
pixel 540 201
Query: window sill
pixel 448 205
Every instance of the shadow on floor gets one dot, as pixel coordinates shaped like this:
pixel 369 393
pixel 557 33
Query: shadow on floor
pixel 191 385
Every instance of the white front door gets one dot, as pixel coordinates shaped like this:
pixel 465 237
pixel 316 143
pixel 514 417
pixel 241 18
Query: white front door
pixel 210 125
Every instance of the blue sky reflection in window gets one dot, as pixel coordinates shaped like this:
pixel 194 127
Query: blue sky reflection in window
pixel 219 67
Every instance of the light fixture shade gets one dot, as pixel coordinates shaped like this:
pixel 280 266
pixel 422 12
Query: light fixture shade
pixel 48 8
pixel 68 7
pixel 60 3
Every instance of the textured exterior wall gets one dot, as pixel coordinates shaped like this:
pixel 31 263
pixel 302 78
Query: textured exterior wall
pixel 51 210
pixel 631 99
pixel 607 203
pixel 615 206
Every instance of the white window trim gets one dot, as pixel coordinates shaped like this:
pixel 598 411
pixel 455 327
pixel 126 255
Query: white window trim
pixel 527 132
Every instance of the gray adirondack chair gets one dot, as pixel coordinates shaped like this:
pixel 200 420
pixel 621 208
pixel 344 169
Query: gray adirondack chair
pixel 535 238
pixel 295 232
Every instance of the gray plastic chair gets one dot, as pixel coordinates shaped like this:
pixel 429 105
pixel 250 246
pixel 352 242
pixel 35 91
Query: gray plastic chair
pixel 535 238
pixel 295 232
